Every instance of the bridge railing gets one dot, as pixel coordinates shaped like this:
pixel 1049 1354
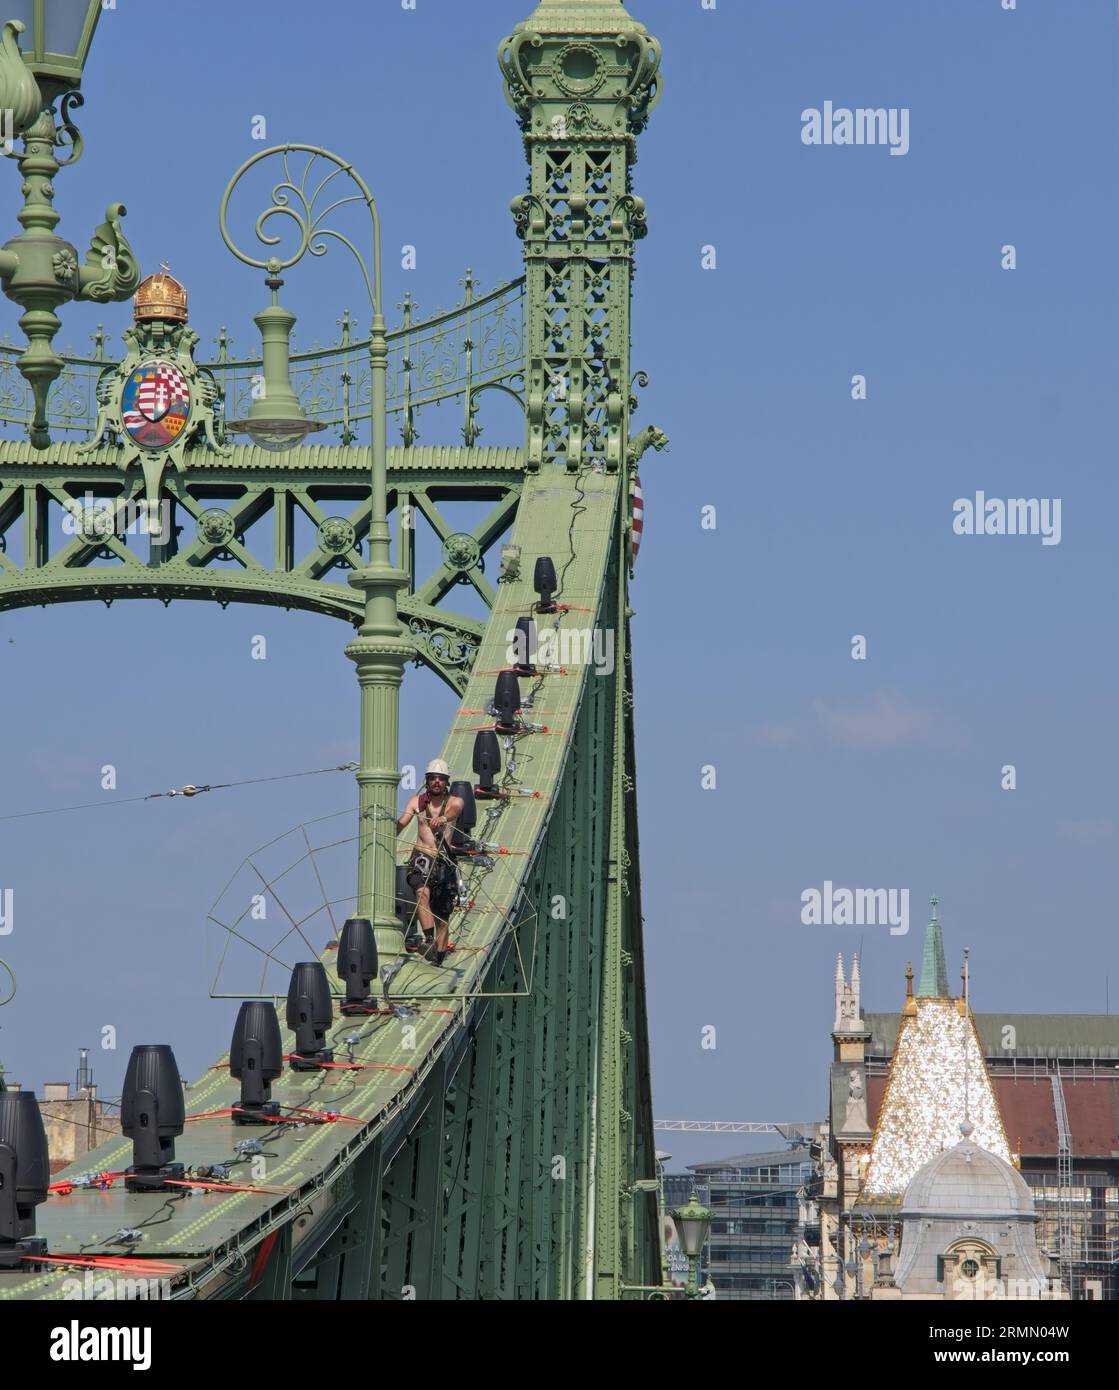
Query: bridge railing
pixel 452 354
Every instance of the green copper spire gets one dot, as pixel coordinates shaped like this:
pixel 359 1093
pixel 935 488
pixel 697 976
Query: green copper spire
pixel 934 972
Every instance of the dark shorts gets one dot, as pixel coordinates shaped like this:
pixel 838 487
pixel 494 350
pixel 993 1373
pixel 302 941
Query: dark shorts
pixel 442 880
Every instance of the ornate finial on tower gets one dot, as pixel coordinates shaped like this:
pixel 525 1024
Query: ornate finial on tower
pixel 848 1012
pixel 161 296
pixel 910 1002
pixel 840 992
pixel 934 972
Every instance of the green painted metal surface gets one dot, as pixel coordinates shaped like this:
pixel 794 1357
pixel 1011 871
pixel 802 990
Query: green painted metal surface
pixel 38 269
pixel 489 1054
pixel 486 1145
pixel 454 354
pixel 251 492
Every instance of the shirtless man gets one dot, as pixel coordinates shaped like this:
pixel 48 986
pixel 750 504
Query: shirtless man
pixel 430 871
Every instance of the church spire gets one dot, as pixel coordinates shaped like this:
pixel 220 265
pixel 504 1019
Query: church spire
pixel 934 972
pixel 840 993
pixel 848 1003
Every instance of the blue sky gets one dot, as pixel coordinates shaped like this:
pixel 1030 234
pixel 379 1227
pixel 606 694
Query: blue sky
pixel 834 517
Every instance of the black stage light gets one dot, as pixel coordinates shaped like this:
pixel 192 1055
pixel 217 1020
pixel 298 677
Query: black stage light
pixel 487 762
pixel 310 1014
pixel 25 1174
pixel 256 1059
pixel 544 582
pixel 507 701
pixel 357 964
pixel 468 817
pixel 524 645
pixel 152 1114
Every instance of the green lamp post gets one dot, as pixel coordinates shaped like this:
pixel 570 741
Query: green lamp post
pixel 38 269
pixel 276 420
pixel 692 1222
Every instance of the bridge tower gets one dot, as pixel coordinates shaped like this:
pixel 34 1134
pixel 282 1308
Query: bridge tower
pixel 582 76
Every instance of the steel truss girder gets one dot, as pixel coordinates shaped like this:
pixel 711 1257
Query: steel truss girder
pixel 412 1201
pixel 226 570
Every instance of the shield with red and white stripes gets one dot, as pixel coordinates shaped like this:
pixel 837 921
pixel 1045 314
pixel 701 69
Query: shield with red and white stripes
pixel 155 404
pixel 637 519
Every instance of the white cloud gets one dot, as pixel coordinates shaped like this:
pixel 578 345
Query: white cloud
pixel 883 719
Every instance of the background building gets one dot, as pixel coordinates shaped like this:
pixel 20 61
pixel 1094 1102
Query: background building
pixel 74 1117
pixel 1055 1081
pixel 761 1205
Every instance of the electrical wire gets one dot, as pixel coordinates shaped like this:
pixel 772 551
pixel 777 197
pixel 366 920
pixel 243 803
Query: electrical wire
pixel 189 790
pixel 155 1219
pixel 577 509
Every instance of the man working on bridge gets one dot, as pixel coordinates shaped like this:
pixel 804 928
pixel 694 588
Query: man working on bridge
pixel 431 871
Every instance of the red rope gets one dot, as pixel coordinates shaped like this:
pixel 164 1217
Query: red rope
pixel 225 1186
pixel 65 1186
pixel 119 1262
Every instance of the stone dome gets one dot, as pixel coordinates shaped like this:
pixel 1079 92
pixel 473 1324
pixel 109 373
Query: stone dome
pixel 967 1181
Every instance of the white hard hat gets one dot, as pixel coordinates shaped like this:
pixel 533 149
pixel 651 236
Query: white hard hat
pixel 438 767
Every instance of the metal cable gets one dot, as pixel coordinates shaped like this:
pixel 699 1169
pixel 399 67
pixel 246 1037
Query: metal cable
pixel 189 790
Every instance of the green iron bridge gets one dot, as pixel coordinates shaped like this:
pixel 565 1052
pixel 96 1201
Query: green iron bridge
pixel 492 1131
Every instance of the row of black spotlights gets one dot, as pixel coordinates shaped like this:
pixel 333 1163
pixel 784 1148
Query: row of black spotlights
pixel 506 705
pixel 153 1109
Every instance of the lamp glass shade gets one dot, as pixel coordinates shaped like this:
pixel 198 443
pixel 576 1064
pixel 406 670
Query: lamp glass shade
pixel 278 435
pixel 275 435
pixel 57 37
pixel 692 1223
pixel 68 27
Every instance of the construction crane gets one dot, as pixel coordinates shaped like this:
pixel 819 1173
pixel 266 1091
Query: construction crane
pixel 803 1129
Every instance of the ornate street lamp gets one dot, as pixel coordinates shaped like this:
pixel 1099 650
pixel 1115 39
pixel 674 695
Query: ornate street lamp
pixel 39 270
pixel 692 1222
pixel 379 650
